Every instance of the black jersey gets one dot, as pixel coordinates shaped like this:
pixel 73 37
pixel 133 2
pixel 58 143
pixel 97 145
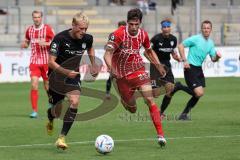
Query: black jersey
pixel 68 50
pixel 164 46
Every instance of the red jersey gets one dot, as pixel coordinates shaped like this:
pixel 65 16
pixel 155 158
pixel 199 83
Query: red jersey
pixel 35 35
pixel 126 57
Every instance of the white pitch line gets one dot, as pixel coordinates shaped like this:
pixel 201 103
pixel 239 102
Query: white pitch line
pixel 121 140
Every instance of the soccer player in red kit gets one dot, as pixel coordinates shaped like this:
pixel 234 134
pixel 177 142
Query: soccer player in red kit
pixel 39 36
pixel 126 65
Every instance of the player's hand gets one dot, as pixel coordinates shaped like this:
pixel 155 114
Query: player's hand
pixel 161 70
pixel 94 70
pixel 112 73
pixel 72 74
pixel 218 55
pixel 186 65
pixel 24 45
pixel 177 58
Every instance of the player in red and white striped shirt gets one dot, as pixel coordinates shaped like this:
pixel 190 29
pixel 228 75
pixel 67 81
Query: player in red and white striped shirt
pixel 126 65
pixel 39 36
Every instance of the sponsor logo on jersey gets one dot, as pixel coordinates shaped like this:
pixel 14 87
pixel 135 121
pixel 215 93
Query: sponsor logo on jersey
pixel 172 43
pixel 68 45
pixel 84 46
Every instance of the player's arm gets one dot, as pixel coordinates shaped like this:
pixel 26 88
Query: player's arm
pixel 113 43
pixel 56 67
pixel 183 56
pixel 25 43
pixel 215 56
pixel 94 68
pixel 91 55
pixel 176 56
pixel 152 57
pixel 108 57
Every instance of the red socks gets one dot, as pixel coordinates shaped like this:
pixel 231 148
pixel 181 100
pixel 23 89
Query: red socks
pixel 155 115
pixel 34 100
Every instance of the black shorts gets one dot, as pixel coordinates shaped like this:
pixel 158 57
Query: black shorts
pixel 194 77
pixel 54 97
pixel 60 85
pixel 155 76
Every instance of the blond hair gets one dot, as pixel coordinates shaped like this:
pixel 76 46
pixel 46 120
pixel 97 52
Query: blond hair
pixel 38 12
pixel 80 16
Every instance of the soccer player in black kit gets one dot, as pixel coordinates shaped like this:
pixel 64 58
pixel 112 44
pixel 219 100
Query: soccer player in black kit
pixel 65 54
pixel 164 45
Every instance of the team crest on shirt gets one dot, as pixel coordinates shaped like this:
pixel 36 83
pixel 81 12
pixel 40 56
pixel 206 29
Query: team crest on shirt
pixel 84 46
pixel 172 43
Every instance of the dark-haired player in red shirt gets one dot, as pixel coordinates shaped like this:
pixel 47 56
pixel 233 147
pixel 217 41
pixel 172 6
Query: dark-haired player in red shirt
pixel 126 65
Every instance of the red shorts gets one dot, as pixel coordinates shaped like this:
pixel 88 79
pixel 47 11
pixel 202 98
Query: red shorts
pixel 39 70
pixel 128 84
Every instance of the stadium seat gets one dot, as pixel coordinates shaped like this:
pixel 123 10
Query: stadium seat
pixel 92 21
pixel 65 3
pixel 70 12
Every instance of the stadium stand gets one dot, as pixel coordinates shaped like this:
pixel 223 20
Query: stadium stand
pixel 103 19
pixel 62 3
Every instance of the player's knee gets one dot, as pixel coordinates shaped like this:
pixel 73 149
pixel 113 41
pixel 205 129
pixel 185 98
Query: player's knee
pixel 199 94
pixel 169 87
pixel 156 92
pixel 130 106
pixel 34 86
pixel 74 102
pixel 148 100
pixel 57 110
pixel 46 86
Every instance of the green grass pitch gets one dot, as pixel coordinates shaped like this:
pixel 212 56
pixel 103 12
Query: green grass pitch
pixel 212 134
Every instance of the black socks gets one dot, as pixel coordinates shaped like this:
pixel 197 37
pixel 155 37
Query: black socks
pixel 68 120
pixel 165 103
pixel 191 103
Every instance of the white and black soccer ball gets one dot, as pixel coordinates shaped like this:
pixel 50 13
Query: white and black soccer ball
pixel 104 144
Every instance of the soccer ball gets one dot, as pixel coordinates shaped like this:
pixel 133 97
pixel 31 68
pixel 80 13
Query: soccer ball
pixel 104 144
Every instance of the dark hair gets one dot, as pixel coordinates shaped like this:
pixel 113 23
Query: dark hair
pixel 166 20
pixel 206 22
pixel 122 23
pixel 134 14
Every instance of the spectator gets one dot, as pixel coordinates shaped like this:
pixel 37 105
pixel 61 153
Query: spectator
pixel 115 2
pixel 152 5
pixel 143 6
pixel 3 12
pixel 174 6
